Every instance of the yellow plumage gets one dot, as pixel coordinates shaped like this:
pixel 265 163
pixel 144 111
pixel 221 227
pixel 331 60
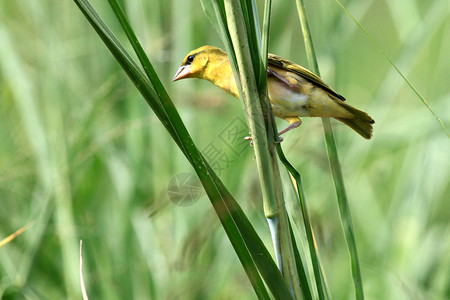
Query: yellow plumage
pixel 293 91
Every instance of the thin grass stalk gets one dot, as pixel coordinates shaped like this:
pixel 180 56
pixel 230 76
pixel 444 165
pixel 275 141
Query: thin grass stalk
pixel 250 14
pixel 335 166
pixel 270 209
pixel 302 271
pixel 267 165
pixel 244 73
pixel 265 34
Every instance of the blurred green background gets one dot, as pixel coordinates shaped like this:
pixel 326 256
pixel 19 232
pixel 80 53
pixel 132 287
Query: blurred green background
pixel 84 157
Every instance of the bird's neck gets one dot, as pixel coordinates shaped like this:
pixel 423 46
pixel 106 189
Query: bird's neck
pixel 221 74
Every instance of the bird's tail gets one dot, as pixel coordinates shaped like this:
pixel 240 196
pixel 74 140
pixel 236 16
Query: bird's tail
pixel 361 121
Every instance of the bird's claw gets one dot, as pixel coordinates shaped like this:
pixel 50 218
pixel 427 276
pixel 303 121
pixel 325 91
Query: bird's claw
pixel 249 138
pixel 279 141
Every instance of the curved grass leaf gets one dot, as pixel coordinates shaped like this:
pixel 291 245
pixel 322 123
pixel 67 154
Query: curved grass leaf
pixel 321 287
pixel 247 244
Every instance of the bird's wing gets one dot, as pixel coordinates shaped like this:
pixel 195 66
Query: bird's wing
pixel 287 65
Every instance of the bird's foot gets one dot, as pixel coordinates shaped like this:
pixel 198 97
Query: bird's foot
pixel 280 140
pixel 249 138
pixel 291 126
pixel 295 122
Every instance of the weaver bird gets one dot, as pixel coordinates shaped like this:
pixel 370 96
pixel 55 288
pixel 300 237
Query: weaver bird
pixel 294 92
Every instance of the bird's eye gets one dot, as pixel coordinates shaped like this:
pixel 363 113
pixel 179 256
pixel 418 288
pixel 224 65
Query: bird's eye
pixel 190 58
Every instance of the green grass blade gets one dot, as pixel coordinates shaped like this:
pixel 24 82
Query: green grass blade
pixel 250 14
pixel 145 62
pixel 268 271
pixel 310 53
pixel 302 270
pixel 216 14
pixel 124 59
pixel 334 163
pixel 210 12
pixel 344 211
pixel 265 33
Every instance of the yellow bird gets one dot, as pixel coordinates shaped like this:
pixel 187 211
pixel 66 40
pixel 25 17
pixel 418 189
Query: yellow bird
pixel 293 91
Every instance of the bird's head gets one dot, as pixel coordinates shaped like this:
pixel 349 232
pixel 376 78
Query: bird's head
pixel 197 62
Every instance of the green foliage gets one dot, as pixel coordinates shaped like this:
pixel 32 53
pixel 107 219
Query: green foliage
pixel 83 157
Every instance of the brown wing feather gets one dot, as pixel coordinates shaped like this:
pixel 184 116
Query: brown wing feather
pixel 292 67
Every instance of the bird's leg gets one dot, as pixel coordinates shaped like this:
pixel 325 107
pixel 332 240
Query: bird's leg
pixel 293 123
pixel 279 77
